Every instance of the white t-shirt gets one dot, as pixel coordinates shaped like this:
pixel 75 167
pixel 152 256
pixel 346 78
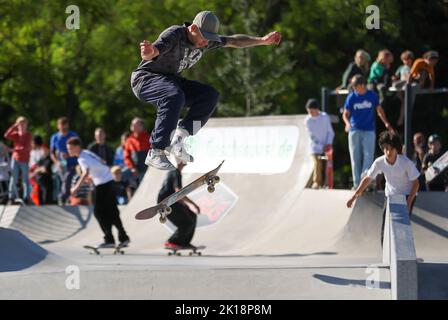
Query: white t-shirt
pixel 399 176
pixel 99 172
pixel 321 132
pixel 35 156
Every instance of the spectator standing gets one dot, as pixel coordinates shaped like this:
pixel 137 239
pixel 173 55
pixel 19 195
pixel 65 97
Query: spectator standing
pixel 21 138
pixel 122 186
pixel 360 124
pixel 420 150
pixel 318 125
pixel 434 153
pixel 65 165
pixel 100 148
pixel 135 151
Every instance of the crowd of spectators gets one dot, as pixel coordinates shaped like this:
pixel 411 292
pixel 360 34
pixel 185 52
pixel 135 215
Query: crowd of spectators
pixel 38 173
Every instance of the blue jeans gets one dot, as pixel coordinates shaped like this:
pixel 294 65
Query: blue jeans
pixel 18 167
pixel 170 94
pixel 362 149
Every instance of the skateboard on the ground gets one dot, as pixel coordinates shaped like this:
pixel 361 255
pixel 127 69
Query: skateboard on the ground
pixel 95 250
pixel 439 167
pixel 164 207
pixel 193 251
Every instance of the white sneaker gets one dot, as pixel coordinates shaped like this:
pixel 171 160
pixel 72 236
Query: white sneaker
pixel 177 149
pixel 105 245
pixel 156 158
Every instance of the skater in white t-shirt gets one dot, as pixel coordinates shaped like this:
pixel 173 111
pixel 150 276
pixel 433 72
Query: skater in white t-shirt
pixel 400 173
pixel 105 205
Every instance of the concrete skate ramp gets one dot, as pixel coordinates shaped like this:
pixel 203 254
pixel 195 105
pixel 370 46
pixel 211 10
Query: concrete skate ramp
pixel 275 215
pixel 48 224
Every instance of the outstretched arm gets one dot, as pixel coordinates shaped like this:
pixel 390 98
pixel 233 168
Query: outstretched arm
pixel 362 186
pixel 246 41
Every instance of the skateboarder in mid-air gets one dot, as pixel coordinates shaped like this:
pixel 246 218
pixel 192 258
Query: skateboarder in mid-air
pixel 181 216
pixel 157 81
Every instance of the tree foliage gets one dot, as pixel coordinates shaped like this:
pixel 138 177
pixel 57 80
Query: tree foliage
pixel 47 71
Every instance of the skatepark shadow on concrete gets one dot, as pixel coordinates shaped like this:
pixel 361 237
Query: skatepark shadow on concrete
pixel 433 281
pixel 17 252
pixel 348 282
pixel 275 255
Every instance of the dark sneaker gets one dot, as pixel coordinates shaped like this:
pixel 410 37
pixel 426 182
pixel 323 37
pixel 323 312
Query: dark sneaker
pixel 125 243
pixel 156 158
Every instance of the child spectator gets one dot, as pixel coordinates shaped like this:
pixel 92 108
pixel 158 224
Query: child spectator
pixel 400 79
pixel 121 185
pixel 119 152
pixel 403 71
pixel 434 153
pixel 36 151
pixel 42 173
pixel 318 125
pixel 100 148
pixel 423 70
pixel 379 73
pixel 19 135
pixel 400 173
pixel 360 124
pixel 82 196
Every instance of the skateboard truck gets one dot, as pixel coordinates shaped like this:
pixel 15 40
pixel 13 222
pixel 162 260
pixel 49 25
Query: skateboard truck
pixel 164 212
pixel 211 183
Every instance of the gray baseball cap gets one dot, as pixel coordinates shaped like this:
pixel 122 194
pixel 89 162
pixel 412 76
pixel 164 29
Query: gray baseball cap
pixel 208 24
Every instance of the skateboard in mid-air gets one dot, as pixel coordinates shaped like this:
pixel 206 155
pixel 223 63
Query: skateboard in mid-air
pixel 164 207
pixel 95 250
pixel 439 167
pixel 176 251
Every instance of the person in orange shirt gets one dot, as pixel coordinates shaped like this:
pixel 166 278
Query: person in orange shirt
pixel 135 150
pixel 423 70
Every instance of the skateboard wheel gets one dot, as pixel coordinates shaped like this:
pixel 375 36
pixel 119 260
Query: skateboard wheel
pixel 199 254
pixel 211 188
pixel 190 254
pixel 168 210
pixel 216 179
pixel 178 254
pixel 170 253
pixel 162 219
